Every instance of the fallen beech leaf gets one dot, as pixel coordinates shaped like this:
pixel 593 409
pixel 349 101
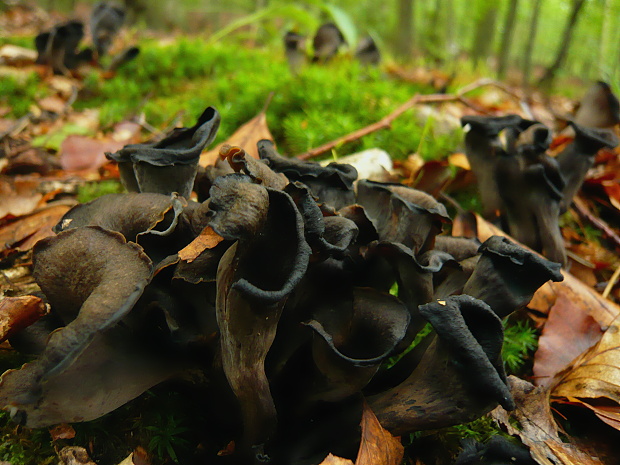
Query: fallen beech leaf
pixel 20 235
pixel 17 313
pixel 245 137
pixel 74 455
pixel 613 191
pixel 53 104
pixel 536 426
pixel 334 460
pixel 207 239
pixel 62 431
pixel 18 198
pixel 568 332
pixel 378 446
pixel 126 132
pixel 594 375
pixel 14 55
pixel 459 160
pixel 82 152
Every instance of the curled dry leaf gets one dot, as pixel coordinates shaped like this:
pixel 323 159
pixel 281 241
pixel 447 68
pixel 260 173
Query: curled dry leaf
pixel 207 239
pixel 245 137
pixel 594 378
pixel 378 446
pixel 334 460
pixel 537 428
pixel 17 313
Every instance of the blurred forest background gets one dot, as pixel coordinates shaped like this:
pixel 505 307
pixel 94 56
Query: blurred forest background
pixel 538 39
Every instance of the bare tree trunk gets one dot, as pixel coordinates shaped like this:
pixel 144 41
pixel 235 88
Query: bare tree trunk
pixel 506 44
pixel 485 32
pixel 547 80
pixel 450 30
pixel 529 46
pixel 404 32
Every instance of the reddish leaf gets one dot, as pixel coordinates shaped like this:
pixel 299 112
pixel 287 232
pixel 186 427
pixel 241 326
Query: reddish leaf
pixel 83 153
pixel 568 332
pixel 62 431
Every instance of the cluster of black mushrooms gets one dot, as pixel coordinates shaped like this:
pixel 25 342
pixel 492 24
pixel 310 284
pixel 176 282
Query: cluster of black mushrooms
pixel 309 284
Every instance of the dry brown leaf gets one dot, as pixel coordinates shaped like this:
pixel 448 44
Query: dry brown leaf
pixel 18 198
pixel 74 455
pixel 245 137
pixel 53 104
pixel 17 313
pixel 14 55
pixel 378 446
pixel 568 333
pixel 207 239
pixel 537 428
pixel 595 377
pixel 334 460
pixel 20 235
pixel 83 153
pixel 459 160
pixel 62 431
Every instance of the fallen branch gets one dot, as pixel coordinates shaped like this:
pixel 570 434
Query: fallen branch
pixel 587 215
pixel 386 122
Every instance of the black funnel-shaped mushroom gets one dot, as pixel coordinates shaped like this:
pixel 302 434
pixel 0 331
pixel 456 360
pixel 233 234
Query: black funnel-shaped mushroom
pixel 295 50
pixel 353 337
pixel 578 157
pixel 169 165
pixel 402 214
pixel 460 376
pixel 105 21
pixel 332 184
pixel 507 275
pixel 530 186
pixel 367 52
pixel 326 42
pixel 92 279
pixel 482 146
pixel 124 57
pixel 255 277
pixel 57 48
pixel 599 108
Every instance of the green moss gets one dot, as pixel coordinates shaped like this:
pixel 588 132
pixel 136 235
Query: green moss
pixel 92 190
pixel 520 342
pixel 19 92
pixel 22 446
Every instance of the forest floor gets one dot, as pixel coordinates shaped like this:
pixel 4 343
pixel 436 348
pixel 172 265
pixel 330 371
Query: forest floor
pixel 55 129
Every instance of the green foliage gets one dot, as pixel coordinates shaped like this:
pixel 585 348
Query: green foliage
pixel 520 342
pixel 21 446
pixel 166 437
pixel 314 107
pixel 92 190
pixel 19 92
pixel 481 429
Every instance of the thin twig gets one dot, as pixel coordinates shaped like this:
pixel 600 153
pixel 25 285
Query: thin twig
pixel 587 215
pixel 612 282
pixel 386 122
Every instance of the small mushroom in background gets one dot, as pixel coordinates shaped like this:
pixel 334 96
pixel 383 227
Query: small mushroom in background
pixel 171 164
pixel 326 42
pixel 599 108
pixel 123 58
pixel 482 146
pixel 57 48
pixel 106 20
pixel 530 186
pixel 578 157
pixel 367 52
pixel 295 50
